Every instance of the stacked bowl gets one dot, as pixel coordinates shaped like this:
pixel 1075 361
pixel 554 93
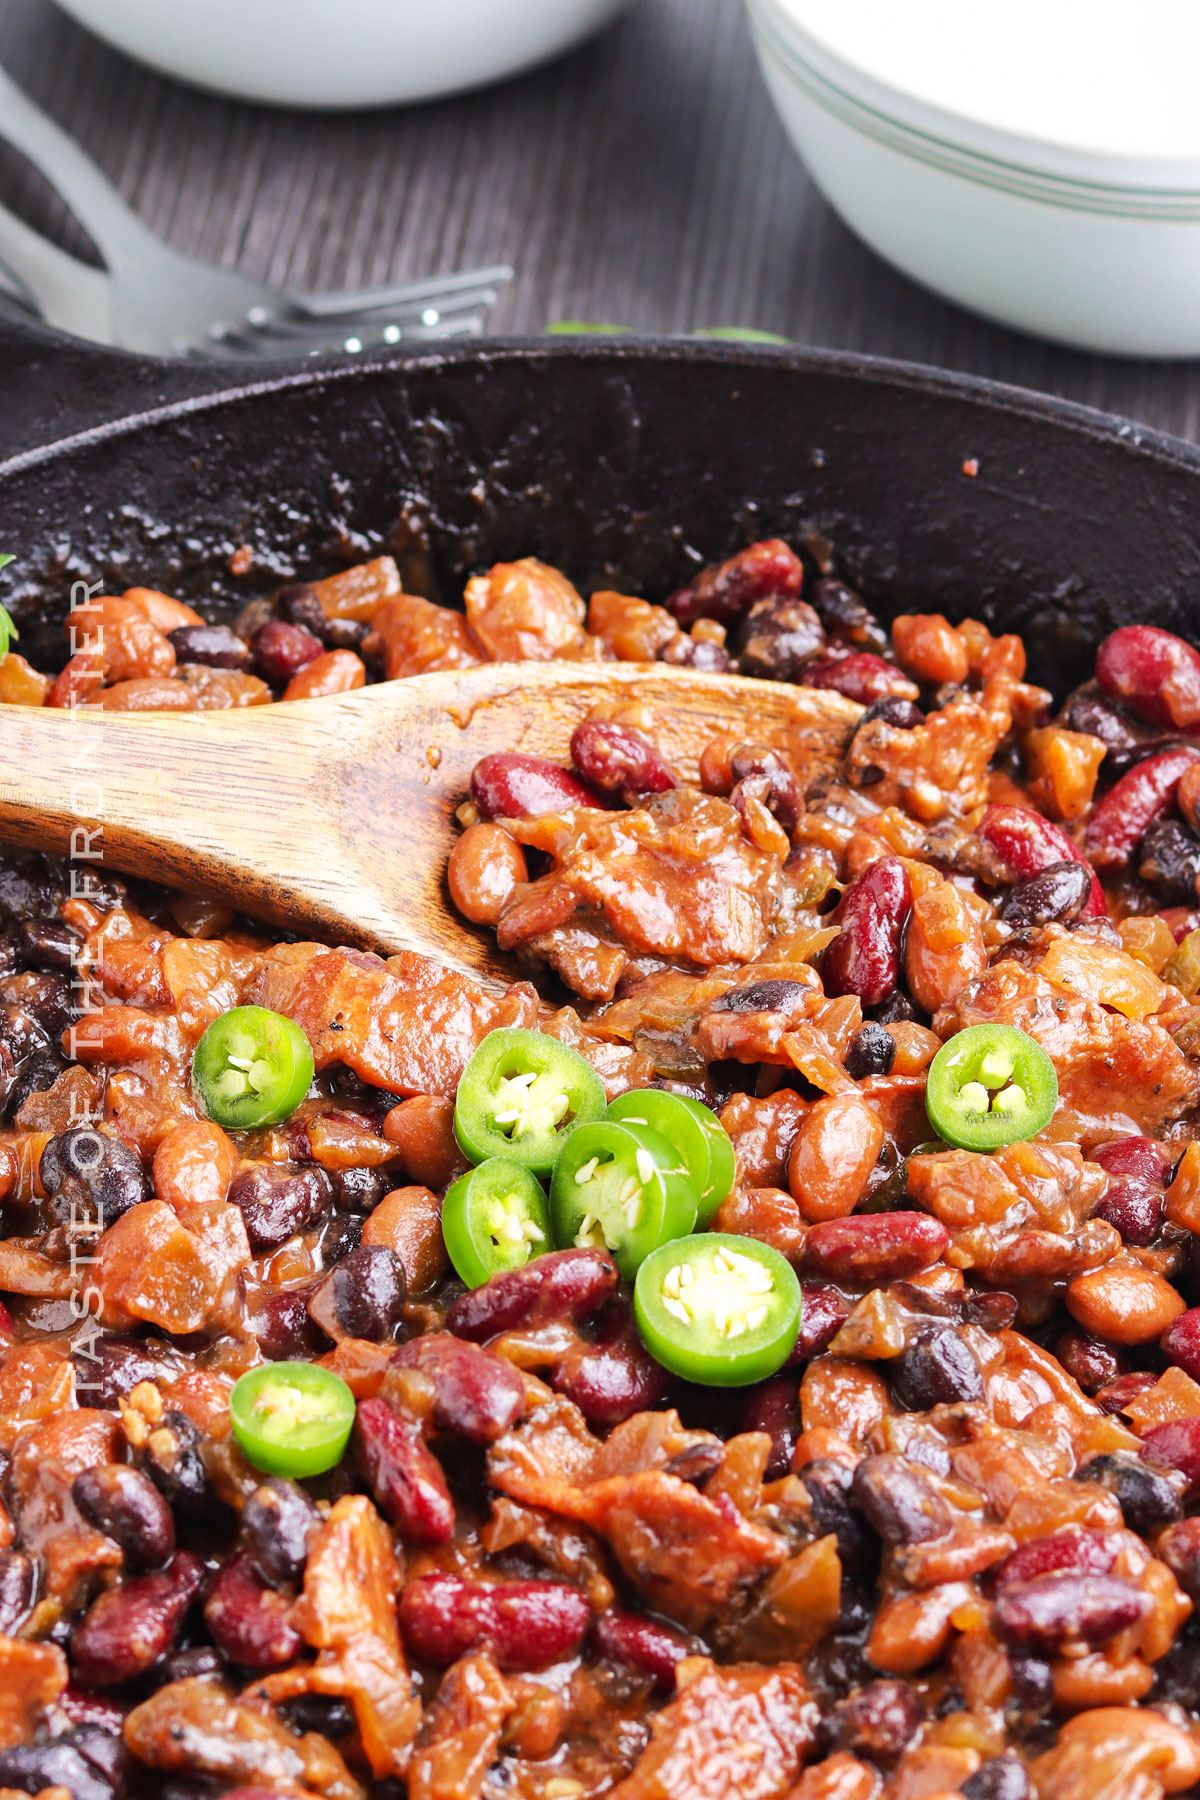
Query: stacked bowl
pixel 1038 162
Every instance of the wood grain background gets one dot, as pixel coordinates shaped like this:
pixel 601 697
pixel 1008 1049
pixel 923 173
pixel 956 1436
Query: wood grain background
pixel 642 181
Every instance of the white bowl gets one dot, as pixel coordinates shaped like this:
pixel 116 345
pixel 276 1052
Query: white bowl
pixel 339 53
pixel 1038 162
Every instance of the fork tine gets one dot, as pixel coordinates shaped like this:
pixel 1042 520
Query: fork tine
pixel 435 290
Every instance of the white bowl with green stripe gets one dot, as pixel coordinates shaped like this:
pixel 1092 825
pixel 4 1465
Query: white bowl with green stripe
pixel 1036 162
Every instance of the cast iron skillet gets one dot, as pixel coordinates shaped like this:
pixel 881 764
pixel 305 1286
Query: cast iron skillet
pixel 624 462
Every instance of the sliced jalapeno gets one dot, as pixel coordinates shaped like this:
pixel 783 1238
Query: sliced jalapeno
pixel 292 1418
pixel 621 1188
pixel 990 1085
pixel 494 1218
pixel 252 1067
pixel 696 1133
pixel 520 1094
pixel 716 1309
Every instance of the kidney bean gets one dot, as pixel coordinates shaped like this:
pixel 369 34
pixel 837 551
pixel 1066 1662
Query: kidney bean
pixel 1152 672
pixel 869 1249
pixel 523 1625
pixel 278 1521
pixel 1116 1395
pixel 129 1627
pixel 247 1620
pixel 566 1286
pixel 18 1587
pixel 619 760
pixel 404 1476
pixel 477 1395
pixel 203 1662
pixel 1135 1207
pixel 1125 1306
pixel 1045 1614
pixel 115 1366
pixel 126 1506
pixel 778 638
pixel 864 958
pixel 1148 1500
pixel 871 1051
pixel 726 590
pixel 1091 1363
pixel 362 1296
pixel 359 1191
pixel 767 776
pixel 279 651
pixel 641 1644
pixel 1141 1157
pixel 937 1369
pixel 837 1148
pixel 486 866
pixel 823 1313
pixel 277 1200
pixel 1169 862
pixel 171 1457
pixel 898 1501
pixel 774 1407
pixel 57 1764
pixel 613 1377
pixel 1120 820
pixel 1176 1445
pixel 1028 844
pixel 879 1721
pixel 829 1486
pixel 1059 895
pixel 993 1311
pixel 96 1176
pixel 860 676
pixel 283 1328
pixel 511 785
pixel 1179 1548
pixel 213 645
pixel 1000 1778
pixel 1180 1342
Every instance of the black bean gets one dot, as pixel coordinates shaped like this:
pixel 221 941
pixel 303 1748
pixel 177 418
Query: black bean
pixel 300 604
pixel 44 995
pixel 764 773
pixel 880 1721
pixel 871 1051
pixel 26 891
pixel 342 1234
pixel 57 1764
pixel 213 645
pixel 774 1407
pixel 126 1506
pixel 994 1311
pixel 106 1752
pixel 201 1662
pixel 828 1485
pixel 360 1190
pixel 172 1459
pixel 18 1586
pixel 1056 894
pixel 686 652
pixel 277 1521
pixel 1148 1498
pixel 1032 1682
pixel 346 634
pixel 91 1175
pixel 1170 862
pixel 898 1500
pixel 323 1713
pixel 1002 1778
pixel 36 1076
pixel 764 996
pixel 844 615
pixel 9 961
pixel 937 1369
pixel 113 1366
pixel 283 1328
pixel 897 1009
pixel 362 1296
pixel 279 1199
pixel 894 710
pixel 48 944
pixel 778 637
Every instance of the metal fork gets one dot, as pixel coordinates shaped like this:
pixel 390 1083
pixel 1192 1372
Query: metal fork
pixel 153 299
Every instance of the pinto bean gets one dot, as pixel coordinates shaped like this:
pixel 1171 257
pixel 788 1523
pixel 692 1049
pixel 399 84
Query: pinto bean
pixel 929 648
pixel 1121 819
pixel 194 1164
pixel 1152 672
pixel 566 1285
pixel 864 958
pixel 1123 1305
pixel 486 867
pixel 126 1506
pixel 873 1248
pixel 404 1476
pixel 334 672
pixel 131 1626
pixel 247 1620
pixel 511 785
pixel 1058 895
pixel 422 1130
pixel 521 1624
pixel 943 947
pixel 838 1146
pixel 408 1221
pixel 477 1395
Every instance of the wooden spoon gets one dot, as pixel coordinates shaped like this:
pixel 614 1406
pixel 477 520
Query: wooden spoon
pixel 335 817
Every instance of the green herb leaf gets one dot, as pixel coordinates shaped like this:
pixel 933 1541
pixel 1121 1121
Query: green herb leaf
pixel 8 629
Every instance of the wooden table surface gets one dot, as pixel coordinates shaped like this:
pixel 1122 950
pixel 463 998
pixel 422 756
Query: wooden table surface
pixel 643 181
